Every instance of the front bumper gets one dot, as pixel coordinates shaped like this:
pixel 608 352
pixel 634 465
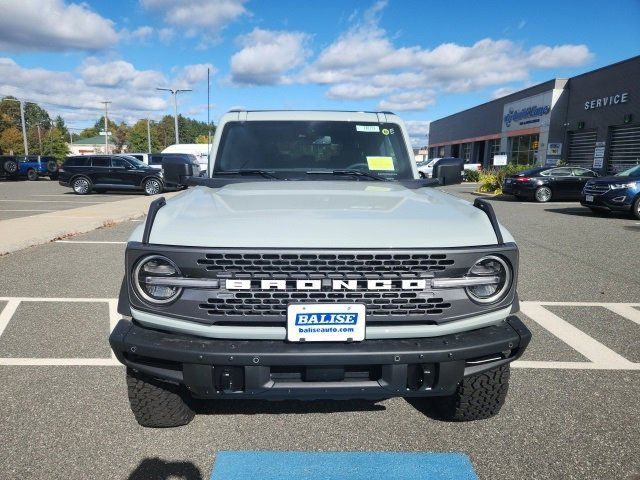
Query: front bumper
pixel 614 200
pixel 276 370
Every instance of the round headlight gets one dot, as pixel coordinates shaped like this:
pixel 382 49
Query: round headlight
pixel 150 277
pixel 498 274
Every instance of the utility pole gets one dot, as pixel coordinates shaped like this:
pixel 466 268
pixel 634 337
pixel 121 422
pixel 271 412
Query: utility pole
pixel 39 139
pixel 24 128
pixel 149 135
pixel 106 123
pixel 174 92
pixel 208 121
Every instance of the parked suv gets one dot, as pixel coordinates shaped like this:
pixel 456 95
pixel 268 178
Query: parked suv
pixel 36 166
pixel 619 192
pixel 313 263
pixel 99 173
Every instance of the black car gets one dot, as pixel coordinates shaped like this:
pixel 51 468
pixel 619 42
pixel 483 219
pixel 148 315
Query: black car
pixel 99 173
pixel 545 183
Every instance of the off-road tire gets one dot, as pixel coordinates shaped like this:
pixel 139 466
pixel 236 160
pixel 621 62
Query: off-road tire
pixel 477 397
pixel 10 167
pixel 157 404
pixel 32 175
pixel 52 166
pixel 635 208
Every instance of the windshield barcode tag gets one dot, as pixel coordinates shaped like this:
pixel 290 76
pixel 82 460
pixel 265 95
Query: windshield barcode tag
pixel 368 128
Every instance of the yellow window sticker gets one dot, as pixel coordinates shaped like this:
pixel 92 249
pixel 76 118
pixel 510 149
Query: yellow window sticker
pixel 380 163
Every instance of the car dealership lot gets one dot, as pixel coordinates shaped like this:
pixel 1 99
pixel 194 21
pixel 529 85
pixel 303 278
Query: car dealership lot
pixel 23 198
pixel 569 414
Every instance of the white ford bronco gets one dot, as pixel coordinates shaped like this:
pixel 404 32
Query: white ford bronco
pixel 313 263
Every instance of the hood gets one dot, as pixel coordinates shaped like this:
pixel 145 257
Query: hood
pixel 319 214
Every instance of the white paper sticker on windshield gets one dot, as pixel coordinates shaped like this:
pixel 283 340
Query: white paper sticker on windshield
pixel 368 128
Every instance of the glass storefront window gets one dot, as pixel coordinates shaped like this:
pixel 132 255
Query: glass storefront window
pixel 441 151
pixel 465 152
pixel 494 148
pixel 523 150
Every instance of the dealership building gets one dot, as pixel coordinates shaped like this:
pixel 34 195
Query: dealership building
pixel 591 120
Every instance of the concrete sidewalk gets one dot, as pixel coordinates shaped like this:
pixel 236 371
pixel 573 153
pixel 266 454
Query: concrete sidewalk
pixel 23 232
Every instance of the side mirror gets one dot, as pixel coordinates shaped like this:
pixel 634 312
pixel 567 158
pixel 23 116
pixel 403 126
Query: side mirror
pixel 177 170
pixel 448 171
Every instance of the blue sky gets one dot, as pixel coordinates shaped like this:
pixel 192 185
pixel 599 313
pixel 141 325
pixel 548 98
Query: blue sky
pixel 422 59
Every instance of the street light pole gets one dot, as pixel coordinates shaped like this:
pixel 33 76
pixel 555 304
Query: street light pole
pixel 39 139
pixel 106 123
pixel 174 92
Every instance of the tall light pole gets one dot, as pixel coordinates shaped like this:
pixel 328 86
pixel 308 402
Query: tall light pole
pixel 106 123
pixel 174 92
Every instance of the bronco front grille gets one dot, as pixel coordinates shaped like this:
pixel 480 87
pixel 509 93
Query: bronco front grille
pixel 310 265
pixel 268 303
pixel 596 189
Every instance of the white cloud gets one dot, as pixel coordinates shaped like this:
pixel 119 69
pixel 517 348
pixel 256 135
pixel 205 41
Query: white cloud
pixel 364 62
pixel 53 25
pixel 142 33
pixel 407 101
pixel 207 17
pixel 503 92
pixel 166 34
pixel 266 56
pixel 77 95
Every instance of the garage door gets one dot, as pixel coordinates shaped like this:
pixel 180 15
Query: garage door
pixel 581 146
pixel 624 151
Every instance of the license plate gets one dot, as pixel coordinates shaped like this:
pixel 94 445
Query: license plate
pixel 326 322
pixel 588 198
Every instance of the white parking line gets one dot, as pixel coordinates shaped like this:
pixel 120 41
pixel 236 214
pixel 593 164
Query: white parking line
pixel 49 201
pixel 575 338
pixel 27 210
pixel 91 242
pixel 7 312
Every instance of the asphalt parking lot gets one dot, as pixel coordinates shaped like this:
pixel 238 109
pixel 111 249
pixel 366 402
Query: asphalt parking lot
pixel 571 410
pixel 23 198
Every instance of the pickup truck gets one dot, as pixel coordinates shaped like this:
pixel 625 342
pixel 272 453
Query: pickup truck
pixel 313 263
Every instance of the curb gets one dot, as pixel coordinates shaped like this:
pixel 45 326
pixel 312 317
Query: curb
pixel 38 229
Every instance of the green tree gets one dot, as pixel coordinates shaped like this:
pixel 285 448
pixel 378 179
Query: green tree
pixel 34 115
pixel 56 144
pixel 138 137
pixel 11 141
pixel 9 113
pixel 58 123
pixel 120 137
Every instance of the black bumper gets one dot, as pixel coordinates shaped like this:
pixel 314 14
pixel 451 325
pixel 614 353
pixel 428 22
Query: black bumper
pixel 605 202
pixel 276 370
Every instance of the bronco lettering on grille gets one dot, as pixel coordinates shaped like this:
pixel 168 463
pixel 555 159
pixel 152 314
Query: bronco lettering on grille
pixel 408 284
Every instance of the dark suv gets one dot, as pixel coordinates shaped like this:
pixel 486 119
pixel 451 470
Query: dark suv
pixel 87 173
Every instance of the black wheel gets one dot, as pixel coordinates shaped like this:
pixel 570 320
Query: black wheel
pixel 543 194
pixel 157 404
pixel 477 397
pixel 32 175
pixel 422 175
pixel 81 185
pixel 152 186
pixel 10 166
pixel 635 209
pixel 52 166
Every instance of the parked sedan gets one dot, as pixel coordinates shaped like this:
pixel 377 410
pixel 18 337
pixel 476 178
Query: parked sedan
pixel 620 192
pixel 99 173
pixel 543 184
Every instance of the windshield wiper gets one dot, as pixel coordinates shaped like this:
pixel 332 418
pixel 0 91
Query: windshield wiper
pixel 264 173
pixel 356 173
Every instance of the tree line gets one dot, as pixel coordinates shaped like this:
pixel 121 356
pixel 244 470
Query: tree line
pixel 47 136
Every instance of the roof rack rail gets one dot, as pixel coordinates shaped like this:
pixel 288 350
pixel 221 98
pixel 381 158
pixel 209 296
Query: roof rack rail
pixel 151 216
pixel 487 208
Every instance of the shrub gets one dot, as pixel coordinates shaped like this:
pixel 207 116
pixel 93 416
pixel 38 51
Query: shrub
pixel 471 175
pixel 490 181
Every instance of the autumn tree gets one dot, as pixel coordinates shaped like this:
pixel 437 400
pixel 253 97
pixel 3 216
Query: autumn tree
pixel 11 141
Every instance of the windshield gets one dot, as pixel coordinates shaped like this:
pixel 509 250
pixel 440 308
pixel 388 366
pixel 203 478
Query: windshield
pixel 632 172
pixel 297 147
